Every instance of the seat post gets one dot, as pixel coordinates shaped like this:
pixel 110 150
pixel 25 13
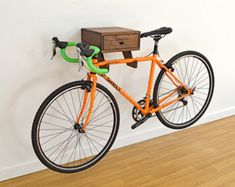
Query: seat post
pixel 156 39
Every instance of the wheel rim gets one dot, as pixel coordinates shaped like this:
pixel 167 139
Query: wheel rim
pixel 61 144
pixel 196 74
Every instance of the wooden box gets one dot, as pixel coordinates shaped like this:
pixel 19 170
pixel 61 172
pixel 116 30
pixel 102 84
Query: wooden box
pixel 113 39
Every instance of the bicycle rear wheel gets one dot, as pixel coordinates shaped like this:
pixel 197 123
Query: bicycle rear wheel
pixel 195 71
pixel 56 138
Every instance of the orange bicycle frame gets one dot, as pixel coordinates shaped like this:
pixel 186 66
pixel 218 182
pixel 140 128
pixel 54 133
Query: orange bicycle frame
pixel 147 109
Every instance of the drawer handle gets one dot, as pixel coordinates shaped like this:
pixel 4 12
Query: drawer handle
pixel 121 43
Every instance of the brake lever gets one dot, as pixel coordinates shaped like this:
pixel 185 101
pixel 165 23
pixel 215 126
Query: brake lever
pixel 80 62
pixel 53 50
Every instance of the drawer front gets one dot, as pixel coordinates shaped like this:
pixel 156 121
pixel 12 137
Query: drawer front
pixel 120 42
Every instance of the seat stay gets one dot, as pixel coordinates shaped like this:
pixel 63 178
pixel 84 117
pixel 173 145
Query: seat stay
pixel 173 78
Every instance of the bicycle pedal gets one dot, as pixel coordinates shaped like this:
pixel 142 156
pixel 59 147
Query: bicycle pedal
pixel 137 124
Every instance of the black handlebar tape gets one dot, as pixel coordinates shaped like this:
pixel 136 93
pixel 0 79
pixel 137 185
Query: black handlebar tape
pixel 55 39
pixel 85 51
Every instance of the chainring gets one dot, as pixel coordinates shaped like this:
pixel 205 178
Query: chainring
pixel 136 113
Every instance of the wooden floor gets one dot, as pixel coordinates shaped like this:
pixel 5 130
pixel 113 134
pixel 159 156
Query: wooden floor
pixel 200 156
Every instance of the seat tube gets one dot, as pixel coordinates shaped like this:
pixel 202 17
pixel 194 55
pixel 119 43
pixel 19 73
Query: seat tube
pixel 150 82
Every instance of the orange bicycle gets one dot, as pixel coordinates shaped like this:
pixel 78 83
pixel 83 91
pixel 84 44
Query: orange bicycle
pixel 77 124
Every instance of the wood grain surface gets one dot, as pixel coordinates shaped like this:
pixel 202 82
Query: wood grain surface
pixel 200 156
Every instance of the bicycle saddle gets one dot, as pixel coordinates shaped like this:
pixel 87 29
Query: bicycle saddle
pixel 160 31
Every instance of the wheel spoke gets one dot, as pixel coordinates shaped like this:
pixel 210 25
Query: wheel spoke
pixel 97 136
pixel 193 70
pixel 80 103
pixel 168 92
pixel 68 107
pixel 54 125
pixel 58 117
pixel 102 146
pixel 98 115
pixel 45 136
pixel 93 144
pixel 73 103
pixel 59 139
pixel 74 150
pixel 64 111
pixel 102 125
pixel 101 117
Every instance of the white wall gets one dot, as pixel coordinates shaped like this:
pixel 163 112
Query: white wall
pixel 27 75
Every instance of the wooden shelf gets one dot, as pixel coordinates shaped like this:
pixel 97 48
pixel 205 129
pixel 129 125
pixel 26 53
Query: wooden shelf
pixel 113 39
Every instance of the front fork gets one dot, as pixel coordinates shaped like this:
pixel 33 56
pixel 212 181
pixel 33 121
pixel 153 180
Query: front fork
pixel 90 77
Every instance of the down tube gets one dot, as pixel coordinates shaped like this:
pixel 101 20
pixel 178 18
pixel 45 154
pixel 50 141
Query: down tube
pixel 129 98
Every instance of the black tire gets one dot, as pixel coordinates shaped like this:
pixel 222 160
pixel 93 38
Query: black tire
pixel 113 128
pixel 157 89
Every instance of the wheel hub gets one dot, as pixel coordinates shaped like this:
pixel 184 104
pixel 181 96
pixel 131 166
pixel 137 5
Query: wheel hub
pixel 182 91
pixel 79 128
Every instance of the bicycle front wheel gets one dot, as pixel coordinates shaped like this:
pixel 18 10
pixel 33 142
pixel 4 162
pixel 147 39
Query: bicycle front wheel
pixel 195 71
pixel 56 138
